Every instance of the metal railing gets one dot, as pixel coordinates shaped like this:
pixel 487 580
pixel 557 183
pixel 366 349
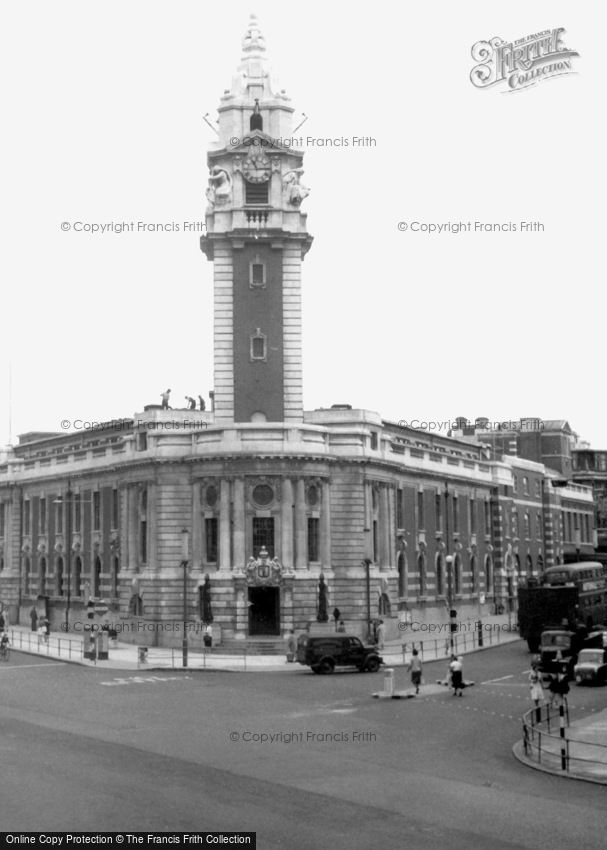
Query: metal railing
pixel 547 746
pixel 197 659
pixel 55 647
pixel 437 648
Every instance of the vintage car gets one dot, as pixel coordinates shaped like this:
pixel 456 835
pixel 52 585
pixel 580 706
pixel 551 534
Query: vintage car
pixel 591 667
pixel 324 653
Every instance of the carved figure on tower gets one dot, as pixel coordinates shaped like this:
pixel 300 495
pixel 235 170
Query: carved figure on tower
pixel 219 190
pixel 294 189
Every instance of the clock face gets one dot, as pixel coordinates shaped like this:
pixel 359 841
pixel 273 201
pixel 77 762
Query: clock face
pixel 256 168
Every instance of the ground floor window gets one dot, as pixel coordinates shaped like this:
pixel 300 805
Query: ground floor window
pixel 59 571
pixel 115 571
pixel 457 574
pixel 313 539
pixel 97 577
pixel 489 573
pixel 439 575
pixel 211 538
pixel 78 576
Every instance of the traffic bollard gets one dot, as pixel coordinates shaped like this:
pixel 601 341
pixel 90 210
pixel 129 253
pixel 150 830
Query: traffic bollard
pixel 389 681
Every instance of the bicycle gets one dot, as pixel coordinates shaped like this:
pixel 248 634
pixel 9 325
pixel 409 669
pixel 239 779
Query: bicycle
pixel 4 653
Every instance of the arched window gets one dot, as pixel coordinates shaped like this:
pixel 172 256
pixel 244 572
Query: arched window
pixel 439 567
pixel 527 522
pixel 78 576
pixel 529 565
pixel 97 577
pixel 42 575
pixel 540 564
pixel 27 574
pixel 457 574
pixel 473 577
pixel 402 575
pixel 115 571
pixel 489 573
pixel 136 605
pixel 59 574
pixel 421 569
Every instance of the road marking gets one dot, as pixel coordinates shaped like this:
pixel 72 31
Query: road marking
pixel 501 679
pixel 142 680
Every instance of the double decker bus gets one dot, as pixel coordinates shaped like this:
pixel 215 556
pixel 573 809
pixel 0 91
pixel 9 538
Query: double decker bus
pixel 567 597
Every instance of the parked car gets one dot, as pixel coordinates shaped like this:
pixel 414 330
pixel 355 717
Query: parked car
pixel 591 667
pixel 323 653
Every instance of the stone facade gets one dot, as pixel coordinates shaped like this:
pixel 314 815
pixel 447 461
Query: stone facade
pixel 334 496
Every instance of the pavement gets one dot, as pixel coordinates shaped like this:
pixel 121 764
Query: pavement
pixel 586 748
pixel 124 656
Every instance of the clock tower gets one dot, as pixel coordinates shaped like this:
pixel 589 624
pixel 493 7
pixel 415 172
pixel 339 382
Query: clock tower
pixel 257 238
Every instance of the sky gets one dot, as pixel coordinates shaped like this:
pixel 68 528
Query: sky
pixel 105 101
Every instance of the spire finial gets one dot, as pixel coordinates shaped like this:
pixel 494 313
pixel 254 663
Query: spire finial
pixel 253 39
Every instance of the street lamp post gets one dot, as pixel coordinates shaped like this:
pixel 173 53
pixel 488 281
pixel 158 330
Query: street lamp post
pixel 452 624
pixel 184 565
pixel 367 564
pixel 449 566
pixel 509 591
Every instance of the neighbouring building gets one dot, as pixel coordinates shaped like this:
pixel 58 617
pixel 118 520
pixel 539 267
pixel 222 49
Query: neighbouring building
pixel 590 469
pixel 547 441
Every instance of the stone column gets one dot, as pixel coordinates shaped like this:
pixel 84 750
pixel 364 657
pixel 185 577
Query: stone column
pixel 384 527
pixel 325 525
pixel 132 510
pixel 197 527
pixel 286 514
pixel 225 555
pixel 368 528
pixel 301 530
pixel 238 532
pixel 151 525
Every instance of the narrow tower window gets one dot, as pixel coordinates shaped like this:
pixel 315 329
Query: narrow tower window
pixel 257 274
pixel 259 346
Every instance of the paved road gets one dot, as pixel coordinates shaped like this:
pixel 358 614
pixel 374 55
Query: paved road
pixel 88 749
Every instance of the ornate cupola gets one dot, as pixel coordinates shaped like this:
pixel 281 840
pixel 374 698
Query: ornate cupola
pixel 256 237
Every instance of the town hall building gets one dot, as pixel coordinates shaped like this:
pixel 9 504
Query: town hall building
pixel 275 515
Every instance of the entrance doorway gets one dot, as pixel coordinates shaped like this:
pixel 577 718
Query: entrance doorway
pixel 264 611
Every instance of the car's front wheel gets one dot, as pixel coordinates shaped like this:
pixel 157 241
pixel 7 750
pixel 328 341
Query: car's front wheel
pixel 327 666
pixel 372 665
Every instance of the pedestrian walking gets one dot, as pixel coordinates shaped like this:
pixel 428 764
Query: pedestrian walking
pixel 34 618
pixel 457 679
pixel 537 691
pixel 291 646
pixel 415 666
pixel 381 634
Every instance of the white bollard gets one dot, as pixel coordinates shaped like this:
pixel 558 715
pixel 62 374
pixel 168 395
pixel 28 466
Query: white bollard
pixel 389 681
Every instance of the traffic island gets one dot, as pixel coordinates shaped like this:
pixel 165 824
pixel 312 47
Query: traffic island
pixel 575 751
